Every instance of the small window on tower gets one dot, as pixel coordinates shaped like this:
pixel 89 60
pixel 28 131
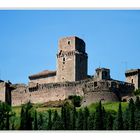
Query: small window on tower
pixel 132 81
pixel 63 60
pixel 69 42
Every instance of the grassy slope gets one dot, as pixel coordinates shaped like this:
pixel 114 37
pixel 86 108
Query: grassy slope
pixel 110 106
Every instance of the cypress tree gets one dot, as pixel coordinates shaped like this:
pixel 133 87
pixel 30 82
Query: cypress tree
pixel 63 117
pixel 5 115
pixel 109 122
pixel 137 113
pixel 126 119
pixel 74 114
pixel 22 119
pixel 86 115
pixel 131 115
pixel 137 120
pixel 118 125
pixel 91 121
pixel 7 121
pixel 55 116
pixel 98 119
pixel 49 119
pixel 29 118
pixel 26 117
pixel 40 122
pixel 66 117
pixel 80 120
pixel 57 123
pixel 104 117
pixel 137 103
pixel 35 121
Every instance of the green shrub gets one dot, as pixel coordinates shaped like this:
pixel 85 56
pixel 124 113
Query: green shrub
pixel 137 92
pixel 76 100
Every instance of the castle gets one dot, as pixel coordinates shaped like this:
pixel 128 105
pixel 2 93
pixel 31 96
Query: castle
pixel 70 78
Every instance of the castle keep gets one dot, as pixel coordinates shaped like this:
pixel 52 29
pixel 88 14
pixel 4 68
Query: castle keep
pixel 71 63
pixel 70 78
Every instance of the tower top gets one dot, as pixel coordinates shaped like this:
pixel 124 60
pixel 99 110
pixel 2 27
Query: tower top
pixel 133 76
pixel 71 43
pixel 132 72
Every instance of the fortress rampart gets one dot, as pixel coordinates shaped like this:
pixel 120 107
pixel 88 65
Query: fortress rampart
pixel 90 90
pixel 70 78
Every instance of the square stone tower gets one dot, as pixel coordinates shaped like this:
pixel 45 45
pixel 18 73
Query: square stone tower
pixel 71 60
pixel 102 74
pixel 133 76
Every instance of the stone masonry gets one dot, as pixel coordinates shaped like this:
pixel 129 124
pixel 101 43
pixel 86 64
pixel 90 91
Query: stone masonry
pixel 133 76
pixel 69 78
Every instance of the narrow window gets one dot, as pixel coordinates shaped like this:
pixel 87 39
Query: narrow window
pixel 63 60
pixel 95 84
pixel 69 42
pixel 132 81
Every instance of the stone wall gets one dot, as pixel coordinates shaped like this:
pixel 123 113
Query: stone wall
pixel 51 79
pixel 71 60
pixel 133 76
pixel 41 93
pixel 96 96
pixel 2 91
pixel 133 79
pixel 90 90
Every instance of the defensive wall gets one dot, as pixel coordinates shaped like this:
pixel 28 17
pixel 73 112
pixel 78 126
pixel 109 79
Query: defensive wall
pixel 90 90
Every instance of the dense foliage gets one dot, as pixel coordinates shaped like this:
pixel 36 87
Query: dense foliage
pixel 137 92
pixel 76 100
pixel 73 118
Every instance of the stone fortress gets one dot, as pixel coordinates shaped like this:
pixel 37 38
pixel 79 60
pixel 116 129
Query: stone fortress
pixel 71 78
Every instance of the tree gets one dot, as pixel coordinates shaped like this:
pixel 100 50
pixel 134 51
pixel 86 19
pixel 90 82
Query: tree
pixel 76 100
pixel 118 125
pixel 80 119
pixel 22 119
pixel 66 117
pixel 98 119
pixel 137 120
pixel 131 119
pixel 74 115
pixel 40 121
pixel 57 123
pixel 104 117
pixel 49 119
pixel 5 115
pixel 26 117
pixel 137 113
pixel 109 121
pixel 29 117
pixel 86 115
pixel 137 103
pixel 35 121
pixel 137 92
pixel 91 121
pixel 126 119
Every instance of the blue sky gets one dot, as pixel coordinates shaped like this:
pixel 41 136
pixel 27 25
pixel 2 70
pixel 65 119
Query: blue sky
pixel 29 40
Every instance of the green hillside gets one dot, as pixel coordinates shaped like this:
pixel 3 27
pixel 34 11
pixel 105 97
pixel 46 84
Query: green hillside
pixel 109 106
